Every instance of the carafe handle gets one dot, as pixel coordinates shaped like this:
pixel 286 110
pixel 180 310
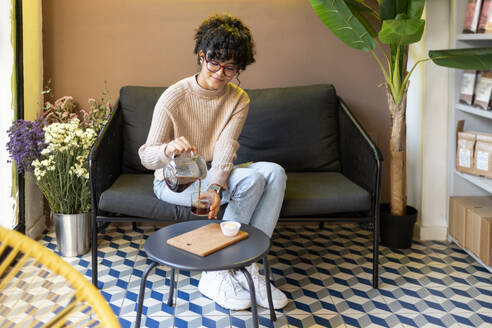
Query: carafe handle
pixel 191 152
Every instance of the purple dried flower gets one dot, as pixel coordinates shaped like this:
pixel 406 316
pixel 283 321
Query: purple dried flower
pixel 26 141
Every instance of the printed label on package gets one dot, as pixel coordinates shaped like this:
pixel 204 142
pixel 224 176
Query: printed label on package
pixel 464 158
pixel 468 83
pixel 482 160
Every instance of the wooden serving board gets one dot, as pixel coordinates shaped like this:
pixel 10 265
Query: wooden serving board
pixel 205 240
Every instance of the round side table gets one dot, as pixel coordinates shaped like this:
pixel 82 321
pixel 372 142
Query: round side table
pixel 235 256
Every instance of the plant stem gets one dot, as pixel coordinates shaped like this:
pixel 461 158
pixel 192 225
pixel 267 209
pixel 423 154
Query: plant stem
pixel 378 43
pixel 374 12
pixel 395 78
pixel 386 77
pixel 407 77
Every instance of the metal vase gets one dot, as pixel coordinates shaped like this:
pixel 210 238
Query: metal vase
pixel 72 233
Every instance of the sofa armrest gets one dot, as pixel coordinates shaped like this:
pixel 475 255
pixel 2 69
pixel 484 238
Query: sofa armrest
pixel 360 158
pixel 106 156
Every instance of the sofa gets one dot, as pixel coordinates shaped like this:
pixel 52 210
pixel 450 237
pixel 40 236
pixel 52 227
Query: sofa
pixel 333 168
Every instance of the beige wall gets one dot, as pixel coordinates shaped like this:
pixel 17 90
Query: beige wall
pixel 150 42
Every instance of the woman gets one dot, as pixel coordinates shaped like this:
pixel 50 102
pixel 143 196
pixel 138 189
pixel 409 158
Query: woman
pixel 206 113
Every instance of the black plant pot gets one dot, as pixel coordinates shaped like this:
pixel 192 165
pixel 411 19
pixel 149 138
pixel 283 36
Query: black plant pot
pixel 397 231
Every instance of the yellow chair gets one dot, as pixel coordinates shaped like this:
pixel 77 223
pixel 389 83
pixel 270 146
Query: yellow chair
pixel 39 289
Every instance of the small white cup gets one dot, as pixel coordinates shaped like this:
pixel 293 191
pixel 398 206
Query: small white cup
pixel 230 228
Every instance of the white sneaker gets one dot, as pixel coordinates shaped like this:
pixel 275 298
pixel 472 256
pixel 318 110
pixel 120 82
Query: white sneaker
pixel 223 289
pixel 278 297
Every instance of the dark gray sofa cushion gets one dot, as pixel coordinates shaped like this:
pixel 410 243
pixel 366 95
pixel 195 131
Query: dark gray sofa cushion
pixel 133 194
pixel 295 127
pixel 308 193
pixel 137 105
pixel 319 193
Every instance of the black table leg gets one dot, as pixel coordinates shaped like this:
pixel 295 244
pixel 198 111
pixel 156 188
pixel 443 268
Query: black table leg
pixel 253 296
pixel 142 292
pixel 171 289
pixel 273 317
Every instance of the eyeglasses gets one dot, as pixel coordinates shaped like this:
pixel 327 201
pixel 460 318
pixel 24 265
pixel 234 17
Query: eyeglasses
pixel 214 66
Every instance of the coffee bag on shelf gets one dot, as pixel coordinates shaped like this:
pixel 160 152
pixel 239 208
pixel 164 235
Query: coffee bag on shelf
pixel 483 155
pixel 483 90
pixel 485 21
pixel 472 16
pixel 468 87
pixel 465 151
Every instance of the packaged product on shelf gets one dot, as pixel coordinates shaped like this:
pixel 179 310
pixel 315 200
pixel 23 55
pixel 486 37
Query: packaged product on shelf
pixel 476 221
pixel 468 87
pixel 483 155
pixel 483 90
pixel 464 152
pixel 485 21
pixel 472 16
pixel 486 241
pixel 460 215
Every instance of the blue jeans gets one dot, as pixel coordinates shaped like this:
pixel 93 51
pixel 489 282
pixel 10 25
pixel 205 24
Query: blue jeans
pixel 254 197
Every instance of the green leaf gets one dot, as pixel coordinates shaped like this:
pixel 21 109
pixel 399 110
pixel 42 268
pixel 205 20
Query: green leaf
pixel 336 15
pixel 356 5
pixel 402 32
pixel 415 8
pixel 401 16
pixel 372 31
pixel 401 6
pixel 388 9
pixel 395 49
pixel 470 58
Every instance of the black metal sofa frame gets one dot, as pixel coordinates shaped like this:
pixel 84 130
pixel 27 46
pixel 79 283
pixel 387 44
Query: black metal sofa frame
pixel 343 190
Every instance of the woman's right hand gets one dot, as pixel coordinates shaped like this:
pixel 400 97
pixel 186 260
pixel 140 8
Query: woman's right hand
pixel 177 146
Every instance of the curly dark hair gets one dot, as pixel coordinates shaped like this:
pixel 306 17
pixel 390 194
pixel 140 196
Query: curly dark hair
pixel 222 37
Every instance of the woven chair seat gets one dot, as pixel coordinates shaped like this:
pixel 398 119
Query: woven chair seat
pixel 39 289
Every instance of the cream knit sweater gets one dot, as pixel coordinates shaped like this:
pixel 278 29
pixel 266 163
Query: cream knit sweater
pixel 211 120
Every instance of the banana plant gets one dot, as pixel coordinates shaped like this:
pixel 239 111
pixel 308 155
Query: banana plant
pixel 365 26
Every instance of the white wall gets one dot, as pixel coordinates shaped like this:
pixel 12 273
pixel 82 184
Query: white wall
pixel 415 112
pixel 435 126
pixel 8 217
pixel 427 126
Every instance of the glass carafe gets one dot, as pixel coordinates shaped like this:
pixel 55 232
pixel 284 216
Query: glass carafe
pixel 184 169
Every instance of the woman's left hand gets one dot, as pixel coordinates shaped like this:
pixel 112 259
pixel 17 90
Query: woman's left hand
pixel 215 206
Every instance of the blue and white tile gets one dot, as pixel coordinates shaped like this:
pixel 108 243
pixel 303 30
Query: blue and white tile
pixel 472 319
pixel 245 320
pixel 159 278
pixel 114 296
pixel 326 273
pixel 362 320
pixel 357 298
pixel 187 280
pixel 430 320
pixel 287 276
pixel 156 322
pixel 459 298
pixel 307 320
pixel 154 304
pixel 193 302
pixel 310 299
pixel 191 320
pixel 410 299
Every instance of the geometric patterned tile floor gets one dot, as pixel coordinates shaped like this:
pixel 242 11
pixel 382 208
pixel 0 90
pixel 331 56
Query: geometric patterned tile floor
pixel 325 273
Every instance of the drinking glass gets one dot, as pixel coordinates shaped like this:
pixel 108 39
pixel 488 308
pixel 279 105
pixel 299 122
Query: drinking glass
pixel 200 204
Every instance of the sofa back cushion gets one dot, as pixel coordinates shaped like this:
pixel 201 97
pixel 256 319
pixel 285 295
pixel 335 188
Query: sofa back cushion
pixel 136 105
pixel 295 127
